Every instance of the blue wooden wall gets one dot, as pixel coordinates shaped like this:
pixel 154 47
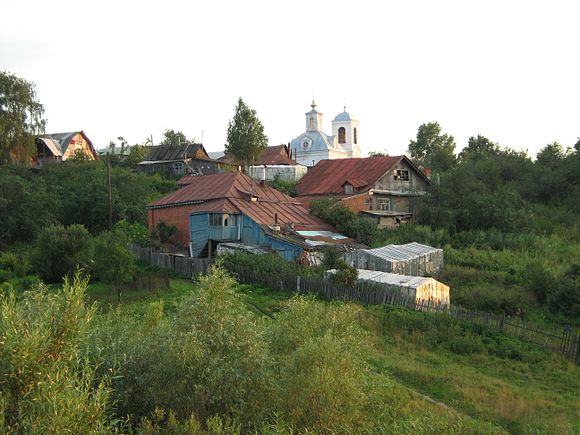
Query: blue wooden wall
pixel 251 234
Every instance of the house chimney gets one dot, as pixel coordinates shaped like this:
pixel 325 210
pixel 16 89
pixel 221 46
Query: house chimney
pixel 276 226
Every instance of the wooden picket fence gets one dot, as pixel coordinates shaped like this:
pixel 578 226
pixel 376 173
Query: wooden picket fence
pixel 562 340
pixel 181 264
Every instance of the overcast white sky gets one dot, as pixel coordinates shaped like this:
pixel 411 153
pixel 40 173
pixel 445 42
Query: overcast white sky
pixel 509 70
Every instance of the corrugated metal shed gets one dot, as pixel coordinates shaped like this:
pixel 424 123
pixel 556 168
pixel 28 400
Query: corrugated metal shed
pixel 410 259
pixel 421 288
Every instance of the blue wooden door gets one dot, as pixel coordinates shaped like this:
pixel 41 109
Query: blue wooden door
pixel 198 232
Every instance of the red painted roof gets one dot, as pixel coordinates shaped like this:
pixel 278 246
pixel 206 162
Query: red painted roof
pixel 329 176
pixel 231 192
pixel 275 155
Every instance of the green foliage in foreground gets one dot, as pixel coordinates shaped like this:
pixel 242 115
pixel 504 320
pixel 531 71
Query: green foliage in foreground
pixel 211 365
pixel 47 384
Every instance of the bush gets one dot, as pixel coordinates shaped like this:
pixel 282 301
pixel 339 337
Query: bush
pixel 46 385
pixel 59 251
pixel 113 263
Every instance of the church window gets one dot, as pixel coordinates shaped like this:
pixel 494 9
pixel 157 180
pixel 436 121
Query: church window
pixel 355 137
pixel 341 135
pixel 311 122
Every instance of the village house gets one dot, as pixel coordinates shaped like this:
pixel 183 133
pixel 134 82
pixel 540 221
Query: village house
pixel 276 163
pixel 314 145
pixel 232 207
pixel 382 188
pixel 57 147
pixel 179 160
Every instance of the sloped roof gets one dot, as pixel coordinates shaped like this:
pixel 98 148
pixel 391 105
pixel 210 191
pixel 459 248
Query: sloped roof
pixel 404 252
pixel 232 193
pixel 275 155
pixel 272 155
pixel 177 152
pixel 328 177
pixel 63 140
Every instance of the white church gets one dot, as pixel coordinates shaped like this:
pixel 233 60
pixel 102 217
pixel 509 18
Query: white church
pixel 313 145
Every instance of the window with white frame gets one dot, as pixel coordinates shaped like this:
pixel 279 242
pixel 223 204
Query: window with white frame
pixel 383 204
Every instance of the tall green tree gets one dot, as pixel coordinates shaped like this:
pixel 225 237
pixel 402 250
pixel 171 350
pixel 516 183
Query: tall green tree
pixel 478 148
pixel 20 118
pixel 432 148
pixel 246 139
pixel 172 137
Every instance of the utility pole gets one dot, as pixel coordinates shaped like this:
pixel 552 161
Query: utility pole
pixel 110 192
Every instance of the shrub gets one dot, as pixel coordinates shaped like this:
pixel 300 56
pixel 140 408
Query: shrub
pixel 113 263
pixel 59 251
pixel 46 385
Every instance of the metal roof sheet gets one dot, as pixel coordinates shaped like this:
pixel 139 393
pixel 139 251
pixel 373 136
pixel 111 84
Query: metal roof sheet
pixel 402 252
pixel 329 176
pixel 275 155
pixel 392 278
pixel 52 145
pixel 64 140
pixel 177 152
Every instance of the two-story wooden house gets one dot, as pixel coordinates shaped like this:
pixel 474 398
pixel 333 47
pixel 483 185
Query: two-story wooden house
pixel 382 188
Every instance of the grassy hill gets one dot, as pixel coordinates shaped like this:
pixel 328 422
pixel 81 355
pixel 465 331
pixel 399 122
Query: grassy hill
pixel 421 373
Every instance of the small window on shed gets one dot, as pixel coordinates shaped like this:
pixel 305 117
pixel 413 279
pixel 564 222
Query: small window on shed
pixel 402 175
pixel 341 135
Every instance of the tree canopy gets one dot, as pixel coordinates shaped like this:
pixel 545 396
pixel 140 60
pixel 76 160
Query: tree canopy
pixel 478 148
pixel 246 139
pixel 432 148
pixel 172 137
pixel 20 118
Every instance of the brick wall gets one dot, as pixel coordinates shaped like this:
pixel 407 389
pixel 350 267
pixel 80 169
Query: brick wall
pixel 176 216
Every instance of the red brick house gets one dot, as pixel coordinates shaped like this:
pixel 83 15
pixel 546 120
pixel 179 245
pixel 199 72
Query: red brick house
pixel 232 207
pixel 381 188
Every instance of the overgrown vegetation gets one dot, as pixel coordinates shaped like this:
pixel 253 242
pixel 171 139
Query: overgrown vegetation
pixel 211 365
pixel 72 193
pixel 510 228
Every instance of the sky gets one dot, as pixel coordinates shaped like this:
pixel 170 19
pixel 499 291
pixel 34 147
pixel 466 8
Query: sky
pixel 508 70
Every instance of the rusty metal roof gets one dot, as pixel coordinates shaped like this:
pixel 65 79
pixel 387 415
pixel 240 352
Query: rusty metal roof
pixel 329 176
pixel 233 193
pixel 232 185
pixel 275 155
